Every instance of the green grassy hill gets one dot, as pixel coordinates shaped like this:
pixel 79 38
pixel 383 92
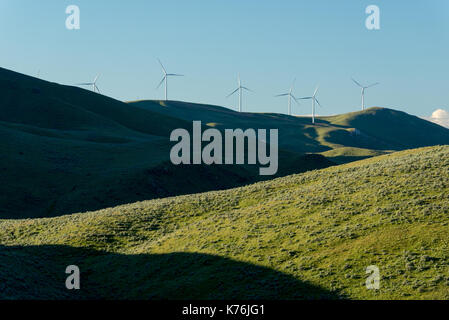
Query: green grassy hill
pixel 391 129
pixel 355 135
pixel 65 150
pixel 28 101
pixel 310 235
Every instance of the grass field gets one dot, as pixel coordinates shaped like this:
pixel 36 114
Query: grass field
pixel 305 236
pixel 65 150
pixel 375 129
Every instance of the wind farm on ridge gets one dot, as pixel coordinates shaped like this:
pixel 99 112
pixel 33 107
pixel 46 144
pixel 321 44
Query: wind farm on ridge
pixel 240 89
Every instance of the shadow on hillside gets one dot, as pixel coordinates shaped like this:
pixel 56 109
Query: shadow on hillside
pixel 361 140
pixel 93 192
pixel 347 159
pixel 38 272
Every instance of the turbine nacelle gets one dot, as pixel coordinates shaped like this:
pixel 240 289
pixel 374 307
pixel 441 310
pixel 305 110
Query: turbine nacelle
pixel 314 100
pixel 364 87
pixel 363 90
pixel 313 97
pixel 93 84
pixel 240 89
pixel 165 79
pixel 290 97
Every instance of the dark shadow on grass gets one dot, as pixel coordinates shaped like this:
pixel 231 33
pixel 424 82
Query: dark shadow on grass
pixel 91 193
pixel 347 159
pixel 38 272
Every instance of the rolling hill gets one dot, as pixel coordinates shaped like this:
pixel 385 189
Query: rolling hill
pixel 65 150
pixel 305 236
pixel 375 129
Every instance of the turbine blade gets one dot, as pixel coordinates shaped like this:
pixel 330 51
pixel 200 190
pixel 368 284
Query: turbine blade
pixel 357 83
pixel 305 98
pixel 293 84
pixel 97 88
pixel 175 75
pixel 162 81
pixel 318 102
pixel 233 92
pixel 282 95
pixel 373 85
pixel 316 90
pixel 247 89
pixel 96 78
pixel 83 84
pixel 296 100
pixel 165 71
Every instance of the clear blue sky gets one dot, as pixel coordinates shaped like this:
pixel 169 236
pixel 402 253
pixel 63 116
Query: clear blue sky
pixel 210 41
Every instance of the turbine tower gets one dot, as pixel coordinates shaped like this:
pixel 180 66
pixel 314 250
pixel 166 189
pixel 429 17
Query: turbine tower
pixel 93 84
pixel 240 90
pixel 363 90
pixel 290 97
pixel 314 99
pixel 165 79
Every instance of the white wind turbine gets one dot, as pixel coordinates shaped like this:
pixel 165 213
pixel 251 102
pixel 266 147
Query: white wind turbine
pixel 363 90
pixel 290 97
pixel 165 79
pixel 314 99
pixel 240 90
pixel 93 84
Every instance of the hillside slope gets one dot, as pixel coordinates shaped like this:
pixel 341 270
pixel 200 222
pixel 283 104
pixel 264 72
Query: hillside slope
pixel 310 235
pixel 33 102
pixel 64 150
pixel 394 130
pixel 361 134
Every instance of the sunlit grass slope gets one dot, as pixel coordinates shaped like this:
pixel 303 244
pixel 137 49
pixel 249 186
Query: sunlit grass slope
pixel 372 129
pixel 348 154
pixel 310 235
pixel 392 129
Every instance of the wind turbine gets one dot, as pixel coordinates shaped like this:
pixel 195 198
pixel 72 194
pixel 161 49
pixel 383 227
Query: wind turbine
pixel 165 79
pixel 93 84
pixel 363 90
pixel 290 96
pixel 314 99
pixel 240 90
